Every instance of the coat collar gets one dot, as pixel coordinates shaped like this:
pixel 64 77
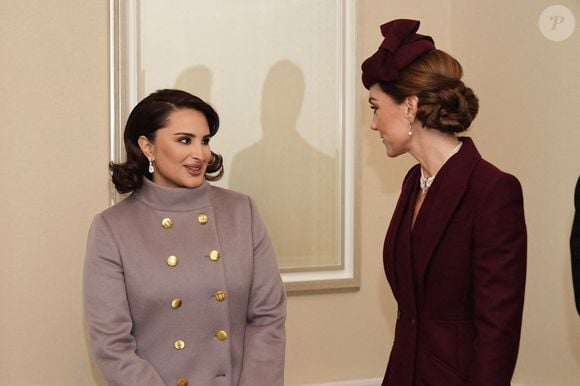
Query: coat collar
pixel 444 195
pixel 394 231
pixel 173 199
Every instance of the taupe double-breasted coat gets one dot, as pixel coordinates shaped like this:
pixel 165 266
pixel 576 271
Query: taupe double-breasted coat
pixel 181 287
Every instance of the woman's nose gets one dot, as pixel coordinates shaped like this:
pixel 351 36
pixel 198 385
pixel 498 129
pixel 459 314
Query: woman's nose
pixel 197 151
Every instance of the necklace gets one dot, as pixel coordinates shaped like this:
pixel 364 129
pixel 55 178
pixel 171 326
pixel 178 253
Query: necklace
pixel 425 181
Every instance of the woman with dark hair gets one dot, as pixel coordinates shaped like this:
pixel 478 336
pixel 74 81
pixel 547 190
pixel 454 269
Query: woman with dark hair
pixel 181 285
pixel 455 249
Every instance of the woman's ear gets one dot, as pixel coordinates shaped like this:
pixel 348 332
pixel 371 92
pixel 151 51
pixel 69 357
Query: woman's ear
pixel 146 147
pixel 411 105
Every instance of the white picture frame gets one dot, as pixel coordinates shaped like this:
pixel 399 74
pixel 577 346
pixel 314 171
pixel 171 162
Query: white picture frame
pixel 306 49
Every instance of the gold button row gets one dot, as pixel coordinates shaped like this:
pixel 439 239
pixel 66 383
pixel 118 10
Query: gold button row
pixel 168 222
pixel 220 296
pixel 173 260
pixel 220 335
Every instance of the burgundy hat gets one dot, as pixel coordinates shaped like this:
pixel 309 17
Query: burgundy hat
pixel 400 47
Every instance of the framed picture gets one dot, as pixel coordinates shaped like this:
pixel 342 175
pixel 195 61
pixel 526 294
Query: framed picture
pixel 280 75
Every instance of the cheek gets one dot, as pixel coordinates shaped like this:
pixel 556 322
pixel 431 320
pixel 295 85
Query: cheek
pixel 159 154
pixel 383 124
pixel 169 155
pixel 207 151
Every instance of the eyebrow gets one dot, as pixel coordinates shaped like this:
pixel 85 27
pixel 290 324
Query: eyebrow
pixel 372 99
pixel 190 135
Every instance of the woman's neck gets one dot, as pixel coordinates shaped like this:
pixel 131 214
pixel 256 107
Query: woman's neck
pixel 432 149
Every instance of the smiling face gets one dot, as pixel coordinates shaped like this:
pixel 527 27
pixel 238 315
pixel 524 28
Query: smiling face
pixel 391 120
pixel 180 150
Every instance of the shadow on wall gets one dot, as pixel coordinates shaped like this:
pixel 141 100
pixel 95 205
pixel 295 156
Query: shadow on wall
pixel 294 184
pixel 196 80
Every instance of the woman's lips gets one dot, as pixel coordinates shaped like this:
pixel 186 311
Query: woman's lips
pixel 194 170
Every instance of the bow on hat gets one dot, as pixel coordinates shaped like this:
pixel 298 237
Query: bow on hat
pixel 401 46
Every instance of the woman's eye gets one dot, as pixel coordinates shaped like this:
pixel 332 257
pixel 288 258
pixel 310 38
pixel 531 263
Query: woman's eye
pixel 185 140
pixel 374 108
pixel 205 141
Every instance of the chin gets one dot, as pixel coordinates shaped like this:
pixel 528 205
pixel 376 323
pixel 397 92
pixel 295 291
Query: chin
pixel 194 183
pixel 390 152
pixel 393 153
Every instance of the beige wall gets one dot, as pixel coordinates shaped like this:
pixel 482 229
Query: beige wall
pixel 53 103
pixel 530 125
pixel 54 141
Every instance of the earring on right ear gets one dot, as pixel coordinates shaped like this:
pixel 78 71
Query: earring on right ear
pixel 410 132
pixel 151 169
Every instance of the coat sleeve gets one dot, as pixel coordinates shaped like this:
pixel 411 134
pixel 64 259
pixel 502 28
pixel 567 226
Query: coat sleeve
pixel 264 343
pixel 575 247
pixel 108 315
pixel 499 270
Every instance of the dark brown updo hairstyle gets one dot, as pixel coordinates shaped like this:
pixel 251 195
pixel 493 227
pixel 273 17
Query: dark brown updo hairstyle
pixel 145 119
pixel 445 103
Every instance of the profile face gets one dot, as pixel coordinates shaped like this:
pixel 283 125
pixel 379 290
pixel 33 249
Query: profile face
pixel 391 120
pixel 181 150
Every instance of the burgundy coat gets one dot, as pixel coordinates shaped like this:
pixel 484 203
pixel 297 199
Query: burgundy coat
pixel 459 279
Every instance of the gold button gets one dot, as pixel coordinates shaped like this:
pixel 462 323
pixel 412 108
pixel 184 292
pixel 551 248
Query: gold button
pixel 221 335
pixel 175 303
pixel 182 382
pixel 202 218
pixel 179 344
pixel 167 223
pixel 220 296
pixel 172 261
pixel 214 255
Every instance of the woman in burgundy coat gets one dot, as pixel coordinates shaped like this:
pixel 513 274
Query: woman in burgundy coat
pixel 455 250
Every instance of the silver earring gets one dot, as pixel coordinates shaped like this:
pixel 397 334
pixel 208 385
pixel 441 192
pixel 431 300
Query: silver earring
pixel 410 132
pixel 151 168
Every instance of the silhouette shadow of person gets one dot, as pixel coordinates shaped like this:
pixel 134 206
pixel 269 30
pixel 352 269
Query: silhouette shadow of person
pixel 196 80
pixel 294 184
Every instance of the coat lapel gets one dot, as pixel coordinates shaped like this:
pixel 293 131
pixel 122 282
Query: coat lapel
pixel 444 195
pixel 393 233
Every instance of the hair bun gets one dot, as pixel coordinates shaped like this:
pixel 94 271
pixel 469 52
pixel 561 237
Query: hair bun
pixel 450 108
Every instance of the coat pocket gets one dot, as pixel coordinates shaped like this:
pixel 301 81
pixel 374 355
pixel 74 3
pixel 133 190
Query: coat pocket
pixel 434 372
pixel 449 343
